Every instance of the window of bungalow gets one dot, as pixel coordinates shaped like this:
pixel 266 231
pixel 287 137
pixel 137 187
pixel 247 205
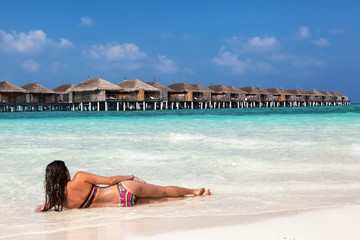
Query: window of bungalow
pixel 12 98
pixel 42 98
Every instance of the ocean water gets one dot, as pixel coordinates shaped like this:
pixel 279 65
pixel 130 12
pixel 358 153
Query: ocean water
pixel 253 160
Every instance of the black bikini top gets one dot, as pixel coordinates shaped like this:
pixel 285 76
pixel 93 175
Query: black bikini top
pixel 90 198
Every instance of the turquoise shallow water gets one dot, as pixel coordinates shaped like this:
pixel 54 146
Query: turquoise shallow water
pixel 254 160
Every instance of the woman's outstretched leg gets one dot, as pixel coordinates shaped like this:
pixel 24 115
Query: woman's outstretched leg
pixel 147 200
pixel 150 190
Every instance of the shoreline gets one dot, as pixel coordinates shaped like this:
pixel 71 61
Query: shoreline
pixel 321 223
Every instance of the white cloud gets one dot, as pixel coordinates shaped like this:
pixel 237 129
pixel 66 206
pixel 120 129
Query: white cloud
pixel 21 42
pixel 303 33
pixel 115 52
pixel 31 65
pixel 65 43
pixel 166 65
pixel 230 60
pixel 34 41
pixel 125 56
pixel 87 21
pixel 321 42
pixel 254 44
pixel 258 43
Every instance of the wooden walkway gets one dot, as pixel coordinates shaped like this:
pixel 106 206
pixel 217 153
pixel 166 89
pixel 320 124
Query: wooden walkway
pixel 152 105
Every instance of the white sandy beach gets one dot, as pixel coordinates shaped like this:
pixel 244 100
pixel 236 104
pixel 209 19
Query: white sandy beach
pixel 330 224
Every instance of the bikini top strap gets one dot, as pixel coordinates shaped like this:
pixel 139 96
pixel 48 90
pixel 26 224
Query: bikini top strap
pixel 87 198
pixel 92 197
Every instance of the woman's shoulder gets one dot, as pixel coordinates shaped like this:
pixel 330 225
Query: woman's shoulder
pixel 80 174
pixel 79 181
pixel 79 178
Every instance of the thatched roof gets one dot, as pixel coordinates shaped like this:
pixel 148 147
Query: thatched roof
pixel 159 86
pixel 250 90
pixel 65 88
pixel 91 85
pixel 136 85
pixel 327 93
pixel 263 91
pixel 275 91
pixel 37 88
pixel 10 88
pixel 335 94
pixel 200 88
pixel 296 92
pixel 220 89
pixel 236 90
pixel 181 87
pixel 313 93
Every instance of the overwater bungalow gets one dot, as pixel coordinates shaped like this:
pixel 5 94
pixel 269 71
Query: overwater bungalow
pixel 236 94
pixel 64 94
pixel 314 96
pixel 343 97
pixel 95 90
pixel 10 93
pixel 136 90
pixel 201 93
pixel 164 90
pixel 182 92
pixel 252 94
pixel 279 95
pixel 265 96
pixel 298 94
pixel 221 93
pixel 337 96
pixel 37 93
pixel 328 97
pixel 289 96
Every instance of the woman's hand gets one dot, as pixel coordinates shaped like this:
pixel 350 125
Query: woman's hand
pixel 138 179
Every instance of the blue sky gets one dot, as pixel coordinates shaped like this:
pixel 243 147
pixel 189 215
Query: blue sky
pixel 289 44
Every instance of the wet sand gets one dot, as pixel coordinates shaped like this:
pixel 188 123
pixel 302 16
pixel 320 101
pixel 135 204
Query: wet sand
pixel 330 223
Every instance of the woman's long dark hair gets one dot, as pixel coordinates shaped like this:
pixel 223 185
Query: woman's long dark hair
pixel 56 178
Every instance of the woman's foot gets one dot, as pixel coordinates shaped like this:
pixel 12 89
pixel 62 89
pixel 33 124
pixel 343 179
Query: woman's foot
pixel 199 192
pixel 207 193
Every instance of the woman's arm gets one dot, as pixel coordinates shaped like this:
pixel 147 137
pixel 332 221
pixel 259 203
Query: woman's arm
pixel 96 179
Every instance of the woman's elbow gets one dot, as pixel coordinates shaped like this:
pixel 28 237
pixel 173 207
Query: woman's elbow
pixel 113 181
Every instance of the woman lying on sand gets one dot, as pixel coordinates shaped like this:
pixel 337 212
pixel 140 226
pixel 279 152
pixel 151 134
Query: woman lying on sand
pixel 82 191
